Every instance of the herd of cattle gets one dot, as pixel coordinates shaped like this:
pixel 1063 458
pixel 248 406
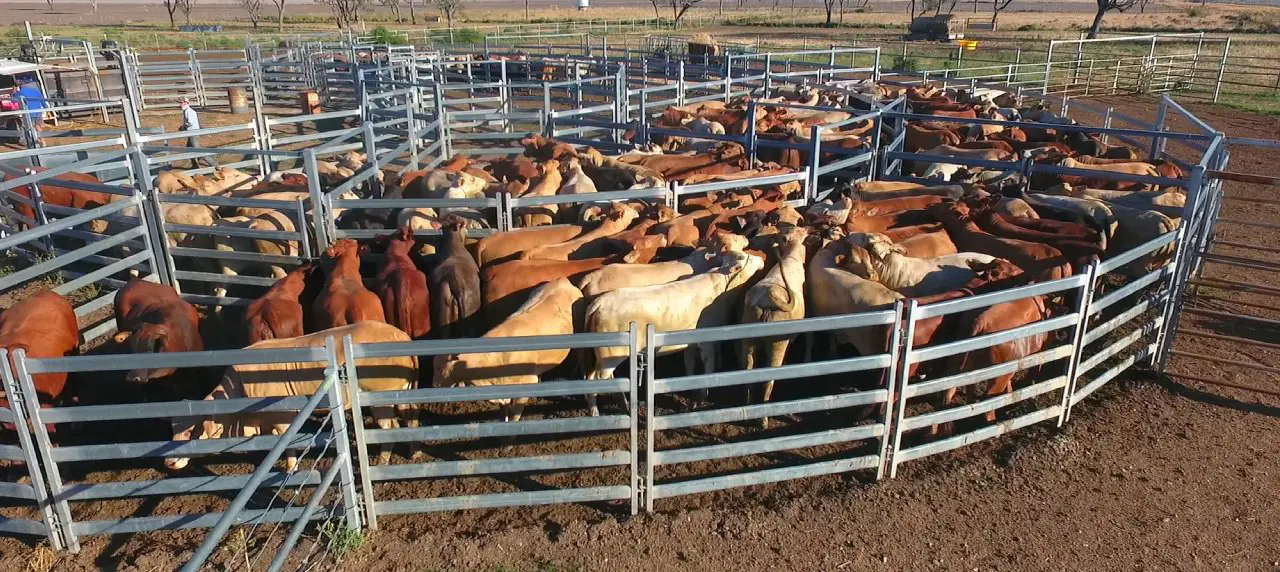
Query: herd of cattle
pixel 729 257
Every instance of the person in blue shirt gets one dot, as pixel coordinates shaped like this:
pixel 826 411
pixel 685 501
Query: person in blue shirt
pixel 191 122
pixel 31 97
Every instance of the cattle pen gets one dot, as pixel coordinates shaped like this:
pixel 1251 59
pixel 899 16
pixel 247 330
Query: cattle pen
pixel 406 111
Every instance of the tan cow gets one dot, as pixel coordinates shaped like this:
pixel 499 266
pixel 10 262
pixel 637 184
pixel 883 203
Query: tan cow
pixel 303 378
pixel 270 221
pixel 548 312
pixel 503 246
pixel 777 297
pixel 836 291
pixel 699 301
pixel 620 217
pixel 615 276
pixel 222 180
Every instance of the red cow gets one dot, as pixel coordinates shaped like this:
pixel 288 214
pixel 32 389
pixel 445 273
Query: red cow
pixel 278 313
pixel 403 288
pixel 43 326
pixel 152 318
pixel 344 299
pixel 61 196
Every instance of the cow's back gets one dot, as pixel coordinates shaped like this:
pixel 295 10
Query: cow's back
pixel 44 326
pixel 304 378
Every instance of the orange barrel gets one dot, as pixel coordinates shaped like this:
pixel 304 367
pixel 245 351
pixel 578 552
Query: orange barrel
pixel 310 102
pixel 239 99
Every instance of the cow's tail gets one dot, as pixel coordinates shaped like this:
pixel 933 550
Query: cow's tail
pixel 781 298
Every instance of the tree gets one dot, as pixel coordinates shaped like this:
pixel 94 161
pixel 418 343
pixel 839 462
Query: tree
pixel 1142 6
pixel 254 8
pixel 450 9
pixel 998 6
pixel 345 12
pixel 186 6
pixel 172 6
pixel 279 14
pixel 678 8
pixel 1105 6
pixel 50 3
pixel 394 5
pixel 413 18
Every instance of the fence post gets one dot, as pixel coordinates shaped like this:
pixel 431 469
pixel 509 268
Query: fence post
pixel 1077 344
pixel 338 415
pixel 150 211
pixel 17 403
pixel 891 375
pixel 815 159
pixel 649 379
pixel 680 83
pixel 318 212
pixel 1183 260
pixel 349 377
pixel 768 74
pixel 371 156
pixel 621 101
pixel 446 148
pixel 638 367
pixel 1157 141
pixel 1106 124
pixel 903 372
pixel 410 104
pixel 1048 67
pixel 62 510
pixel 504 93
pixel 1222 68
pixel 506 213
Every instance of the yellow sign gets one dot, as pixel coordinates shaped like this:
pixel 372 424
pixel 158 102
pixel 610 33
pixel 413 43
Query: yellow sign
pixel 969 45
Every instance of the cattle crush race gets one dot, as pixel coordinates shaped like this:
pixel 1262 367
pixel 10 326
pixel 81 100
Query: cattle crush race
pixel 500 278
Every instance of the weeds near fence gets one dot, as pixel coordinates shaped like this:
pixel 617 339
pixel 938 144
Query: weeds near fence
pixel 341 540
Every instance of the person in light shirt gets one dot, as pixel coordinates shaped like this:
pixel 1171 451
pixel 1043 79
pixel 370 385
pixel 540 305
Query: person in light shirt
pixel 191 122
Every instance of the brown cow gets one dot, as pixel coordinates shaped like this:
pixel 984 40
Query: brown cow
pixel 542 149
pixel 503 246
pixel 344 299
pixel 43 326
pixel 1038 259
pixel 53 194
pixel 999 318
pixel 890 206
pixel 508 285
pixel 454 284
pixel 1073 248
pixel 920 137
pixel 590 244
pixel 683 230
pixel 403 288
pixel 724 159
pixel 152 318
pixel 883 222
pixel 278 312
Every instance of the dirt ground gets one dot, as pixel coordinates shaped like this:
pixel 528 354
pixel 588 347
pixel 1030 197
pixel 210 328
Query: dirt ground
pixel 1148 475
